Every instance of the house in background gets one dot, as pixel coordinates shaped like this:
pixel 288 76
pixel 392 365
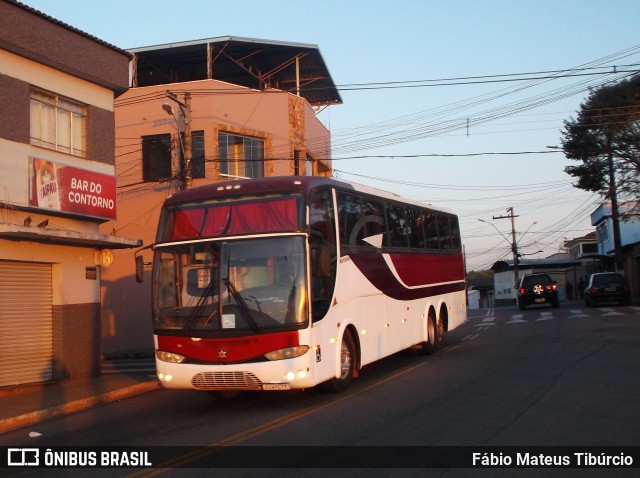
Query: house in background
pixel 558 266
pixel 629 224
pixel 585 250
pixel 200 112
pixel 58 184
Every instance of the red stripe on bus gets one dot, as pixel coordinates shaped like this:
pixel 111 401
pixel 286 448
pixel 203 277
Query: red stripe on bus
pixel 227 350
pixel 422 269
pixel 420 272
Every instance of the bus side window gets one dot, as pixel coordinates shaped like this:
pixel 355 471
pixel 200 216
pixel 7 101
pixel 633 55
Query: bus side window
pixel 444 231
pixel 323 251
pixel 348 217
pixel 396 227
pixel 431 231
pixel 455 232
pixel 415 219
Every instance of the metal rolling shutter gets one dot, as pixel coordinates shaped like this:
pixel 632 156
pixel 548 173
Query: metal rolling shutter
pixel 26 323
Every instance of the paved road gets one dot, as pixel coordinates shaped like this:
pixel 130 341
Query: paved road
pixel 540 377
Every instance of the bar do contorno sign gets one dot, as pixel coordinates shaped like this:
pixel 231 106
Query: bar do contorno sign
pixel 67 189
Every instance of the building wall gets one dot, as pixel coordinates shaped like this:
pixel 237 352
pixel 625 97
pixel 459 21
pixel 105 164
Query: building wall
pixel 285 122
pixel 37 51
pixel 25 32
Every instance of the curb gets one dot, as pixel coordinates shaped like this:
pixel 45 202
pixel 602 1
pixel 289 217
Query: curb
pixel 31 418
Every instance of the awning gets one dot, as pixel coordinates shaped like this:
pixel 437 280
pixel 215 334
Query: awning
pixel 66 238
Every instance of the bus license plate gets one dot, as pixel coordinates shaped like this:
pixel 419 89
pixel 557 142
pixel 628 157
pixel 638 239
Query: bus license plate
pixel 276 386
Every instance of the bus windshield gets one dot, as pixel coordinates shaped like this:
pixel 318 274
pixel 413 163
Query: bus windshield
pixel 249 286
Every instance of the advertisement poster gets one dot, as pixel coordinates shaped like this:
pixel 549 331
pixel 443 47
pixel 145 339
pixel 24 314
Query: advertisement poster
pixel 71 190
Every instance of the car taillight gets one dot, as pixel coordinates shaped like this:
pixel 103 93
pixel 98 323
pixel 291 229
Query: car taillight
pixel 522 291
pixel 593 290
pixel 553 286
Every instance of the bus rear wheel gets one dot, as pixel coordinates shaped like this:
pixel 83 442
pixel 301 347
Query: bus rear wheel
pixel 431 344
pixel 347 366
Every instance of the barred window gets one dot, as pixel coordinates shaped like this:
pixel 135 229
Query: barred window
pixel 241 155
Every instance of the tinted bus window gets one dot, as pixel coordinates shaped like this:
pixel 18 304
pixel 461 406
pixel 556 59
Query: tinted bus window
pixel 415 219
pixel 396 226
pixel 348 217
pixel 455 233
pixel 444 232
pixel 373 220
pixel 431 231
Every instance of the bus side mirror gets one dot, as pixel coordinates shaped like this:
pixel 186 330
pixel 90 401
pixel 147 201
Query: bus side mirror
pixel 325 253
pixel 139 269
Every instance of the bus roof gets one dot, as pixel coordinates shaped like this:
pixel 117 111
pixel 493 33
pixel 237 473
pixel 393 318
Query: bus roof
pixel 302 184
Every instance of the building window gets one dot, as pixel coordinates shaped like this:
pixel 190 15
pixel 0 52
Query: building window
pixel 58 123
pixel 309 166
pixel 156 157
pixel 197 154
pixel 241 156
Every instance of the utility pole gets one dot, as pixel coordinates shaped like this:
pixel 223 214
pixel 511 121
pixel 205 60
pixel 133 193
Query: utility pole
pixel 188 177
pixel 514 244
pixel 613 197
pixel 185 144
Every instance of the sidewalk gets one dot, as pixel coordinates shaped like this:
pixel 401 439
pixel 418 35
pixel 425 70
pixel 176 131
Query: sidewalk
pixel 30 405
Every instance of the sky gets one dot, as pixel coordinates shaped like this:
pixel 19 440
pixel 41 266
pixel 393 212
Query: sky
pixel 454 103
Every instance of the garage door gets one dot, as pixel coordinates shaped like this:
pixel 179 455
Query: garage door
pixel 26 330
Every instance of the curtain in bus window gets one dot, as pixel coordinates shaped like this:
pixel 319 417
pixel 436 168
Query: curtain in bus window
pixel 186 223
pixel 280 215
pixel 199 222
pixel 215 221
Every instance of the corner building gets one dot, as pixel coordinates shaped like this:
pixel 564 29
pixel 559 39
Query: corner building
pixel 57 185
pixel 199 112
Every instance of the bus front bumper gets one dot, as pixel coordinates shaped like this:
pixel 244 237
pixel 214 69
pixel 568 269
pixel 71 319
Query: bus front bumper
pixel 287 374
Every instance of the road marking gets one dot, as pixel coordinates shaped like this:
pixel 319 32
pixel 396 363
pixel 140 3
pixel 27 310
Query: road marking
pixel 576 313
pixel 610 312
pixel 262 429
pixel 546 316
pixel 516 319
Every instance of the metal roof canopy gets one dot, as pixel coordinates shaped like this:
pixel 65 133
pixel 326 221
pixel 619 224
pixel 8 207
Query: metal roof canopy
pixel 252 63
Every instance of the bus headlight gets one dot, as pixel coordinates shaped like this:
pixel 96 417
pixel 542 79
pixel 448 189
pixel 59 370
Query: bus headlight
pixel 169 357
pixel 287 353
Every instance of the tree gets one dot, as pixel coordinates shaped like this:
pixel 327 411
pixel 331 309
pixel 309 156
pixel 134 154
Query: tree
pixel 605 137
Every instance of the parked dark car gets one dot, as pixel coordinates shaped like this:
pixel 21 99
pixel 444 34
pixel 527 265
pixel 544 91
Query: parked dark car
pixel 607 287
pixel 537 289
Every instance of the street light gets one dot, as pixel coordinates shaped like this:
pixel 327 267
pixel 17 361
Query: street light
pixel 530 253
pixel 498 230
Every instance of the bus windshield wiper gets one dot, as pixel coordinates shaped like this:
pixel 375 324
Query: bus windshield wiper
pixel 243 305
pixel 200 306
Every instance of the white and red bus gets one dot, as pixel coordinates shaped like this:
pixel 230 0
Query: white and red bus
pixel 289 282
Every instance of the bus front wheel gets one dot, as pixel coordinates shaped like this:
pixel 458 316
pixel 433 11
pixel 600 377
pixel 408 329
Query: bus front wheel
pixel 347 366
